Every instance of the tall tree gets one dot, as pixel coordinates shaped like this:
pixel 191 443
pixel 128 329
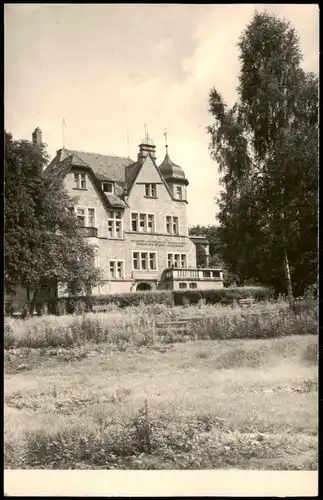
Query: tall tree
pixel 43 241
pixel 266 148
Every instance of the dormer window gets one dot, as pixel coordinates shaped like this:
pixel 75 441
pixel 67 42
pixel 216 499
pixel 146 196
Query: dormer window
pixel 179 192
pixel 108 187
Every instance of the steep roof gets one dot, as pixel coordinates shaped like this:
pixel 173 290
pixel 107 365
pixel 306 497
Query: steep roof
pixel 120 170
pixel 131 173
pixel 102 167
pixel 170 170
pixel 110 168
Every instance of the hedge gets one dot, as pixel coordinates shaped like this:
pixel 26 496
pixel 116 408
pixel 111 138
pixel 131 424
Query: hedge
pixel 72 305
pixel 221 295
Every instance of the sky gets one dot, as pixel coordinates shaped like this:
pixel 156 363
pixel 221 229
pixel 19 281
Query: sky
pixel 109 69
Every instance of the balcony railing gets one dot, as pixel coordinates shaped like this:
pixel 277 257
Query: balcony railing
pixel 204 274
pixel 89 232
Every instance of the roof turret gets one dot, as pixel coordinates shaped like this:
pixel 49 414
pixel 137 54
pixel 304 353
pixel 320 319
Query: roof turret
pixel 171 171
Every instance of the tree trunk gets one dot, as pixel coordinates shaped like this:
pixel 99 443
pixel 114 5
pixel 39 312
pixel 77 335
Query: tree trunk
pixel 288 280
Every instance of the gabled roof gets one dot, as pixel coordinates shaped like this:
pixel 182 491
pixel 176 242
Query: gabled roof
pixel 120 170
pixel 76 161
pixel 110 168
pixel 59 169
pixel 132 172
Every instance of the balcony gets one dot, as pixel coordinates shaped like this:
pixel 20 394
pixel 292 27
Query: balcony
pixel 89 232
pixel 201 274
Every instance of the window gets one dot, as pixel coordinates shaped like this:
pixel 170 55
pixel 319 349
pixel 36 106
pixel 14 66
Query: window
pixel 142 222
pixel 206 274
pixel 108 187
pixel 168 224
pixel 145 261
pixel 79 181
pixel 112 269
pixel 193 285
pixel 83 181
pixel 176 260
pixel 134 222
pixel 80 214
pixel 90 217
pixel 119 269
pixel 145 223
pixel 216 274
pixel 110 229
pixel 179 192
pixel 150 223
pixel 171 224
pixel 116 269
pixel 183 285
pixel 86 216
pixel 114 224
pixel 135 261
pixel 150 190
pixel 118 227
pixel 152 260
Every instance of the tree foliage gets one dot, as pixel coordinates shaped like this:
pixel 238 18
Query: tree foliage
pixel 211 233
pixel 43 241
pixel 266 147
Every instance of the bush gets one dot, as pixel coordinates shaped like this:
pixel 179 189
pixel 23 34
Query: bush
pixel 80 305
pixel 168 298
pixel 8 336
pixel 10 308
pixel 134 299
pixel 222 295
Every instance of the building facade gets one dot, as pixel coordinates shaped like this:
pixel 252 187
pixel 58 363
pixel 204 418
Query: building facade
pixel 135 215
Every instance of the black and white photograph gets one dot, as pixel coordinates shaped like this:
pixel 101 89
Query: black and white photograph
pixel 161 200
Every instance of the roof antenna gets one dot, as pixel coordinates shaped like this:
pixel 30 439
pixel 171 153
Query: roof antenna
pixel 63 132
pixel 146 133
pixel 128 142
pixel 166 145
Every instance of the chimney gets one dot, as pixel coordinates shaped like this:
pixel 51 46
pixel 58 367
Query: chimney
pixel 37 136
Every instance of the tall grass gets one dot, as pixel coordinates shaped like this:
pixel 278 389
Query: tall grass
pixel 146 440
pixel 137 326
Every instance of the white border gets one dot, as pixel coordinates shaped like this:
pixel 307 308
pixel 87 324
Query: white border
pixel 134 483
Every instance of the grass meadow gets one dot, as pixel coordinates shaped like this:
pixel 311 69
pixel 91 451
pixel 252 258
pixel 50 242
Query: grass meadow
pixel 237 389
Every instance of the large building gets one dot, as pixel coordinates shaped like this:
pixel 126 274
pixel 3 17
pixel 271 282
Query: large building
pixel 135 214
